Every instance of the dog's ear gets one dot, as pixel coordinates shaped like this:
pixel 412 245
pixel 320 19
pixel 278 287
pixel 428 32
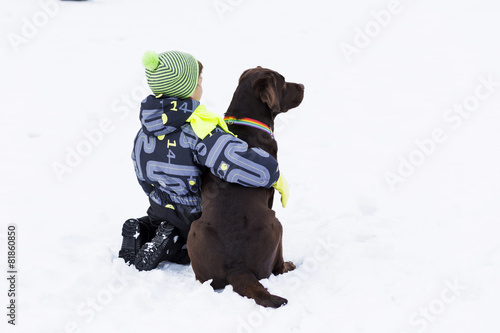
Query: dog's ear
pixel 265 88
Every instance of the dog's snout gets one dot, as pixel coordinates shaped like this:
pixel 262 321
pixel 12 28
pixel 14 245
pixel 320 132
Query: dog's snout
pixel 301 86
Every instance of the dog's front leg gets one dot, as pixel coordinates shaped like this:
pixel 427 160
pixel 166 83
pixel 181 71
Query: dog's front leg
pixel 280 265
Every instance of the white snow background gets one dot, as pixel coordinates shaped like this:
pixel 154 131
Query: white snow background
pixel 392 160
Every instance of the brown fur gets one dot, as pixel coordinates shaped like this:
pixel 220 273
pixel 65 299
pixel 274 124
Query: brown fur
pixel 238 239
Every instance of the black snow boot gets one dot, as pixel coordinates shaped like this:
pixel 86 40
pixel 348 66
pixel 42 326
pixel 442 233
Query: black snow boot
pixel 178 251
pixel 181 257
pixel 131 243
pixel 156 251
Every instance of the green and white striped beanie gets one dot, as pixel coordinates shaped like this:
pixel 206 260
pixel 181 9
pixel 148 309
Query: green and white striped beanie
pixel 172 73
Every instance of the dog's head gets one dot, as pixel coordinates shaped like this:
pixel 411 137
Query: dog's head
pixel 271 89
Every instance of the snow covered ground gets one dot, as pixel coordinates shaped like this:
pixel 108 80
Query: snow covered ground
pixel 392 161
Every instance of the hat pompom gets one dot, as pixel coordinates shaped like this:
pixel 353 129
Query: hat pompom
pixel 150 60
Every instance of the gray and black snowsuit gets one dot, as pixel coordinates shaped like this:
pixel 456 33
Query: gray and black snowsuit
pixel 169 161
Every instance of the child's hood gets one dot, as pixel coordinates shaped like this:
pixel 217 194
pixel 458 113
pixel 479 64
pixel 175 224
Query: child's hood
pixel 163 115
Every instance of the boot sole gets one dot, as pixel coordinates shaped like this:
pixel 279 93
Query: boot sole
pixel 131 242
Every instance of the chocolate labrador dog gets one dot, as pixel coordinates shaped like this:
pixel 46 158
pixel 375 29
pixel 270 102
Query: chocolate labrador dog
pixel 238 239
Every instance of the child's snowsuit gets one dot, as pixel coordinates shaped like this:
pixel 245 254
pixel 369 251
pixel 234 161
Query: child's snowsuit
pixel 170 160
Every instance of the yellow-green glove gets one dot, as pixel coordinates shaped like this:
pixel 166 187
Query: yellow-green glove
pixel 282 186
pixel 203 122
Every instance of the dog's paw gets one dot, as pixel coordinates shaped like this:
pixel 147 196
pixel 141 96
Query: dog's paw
pixel 288 266
pixel 273 302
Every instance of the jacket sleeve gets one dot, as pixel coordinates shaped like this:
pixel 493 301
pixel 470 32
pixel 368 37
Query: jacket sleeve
pixel 232 160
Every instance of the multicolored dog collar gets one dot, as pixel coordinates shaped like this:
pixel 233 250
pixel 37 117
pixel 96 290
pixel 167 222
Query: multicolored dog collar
pixel 249 122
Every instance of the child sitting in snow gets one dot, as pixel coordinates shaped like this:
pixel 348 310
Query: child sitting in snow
pixel 178 142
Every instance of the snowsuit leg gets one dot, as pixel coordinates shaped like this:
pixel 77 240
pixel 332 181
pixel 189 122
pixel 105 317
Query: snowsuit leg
pixel 180 217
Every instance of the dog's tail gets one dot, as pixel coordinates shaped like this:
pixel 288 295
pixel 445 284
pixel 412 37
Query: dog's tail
pixel 247 285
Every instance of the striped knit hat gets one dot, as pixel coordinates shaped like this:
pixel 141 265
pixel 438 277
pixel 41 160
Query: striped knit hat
pixel 171 73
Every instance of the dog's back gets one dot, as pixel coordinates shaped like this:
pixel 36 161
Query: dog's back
pixel 237 240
